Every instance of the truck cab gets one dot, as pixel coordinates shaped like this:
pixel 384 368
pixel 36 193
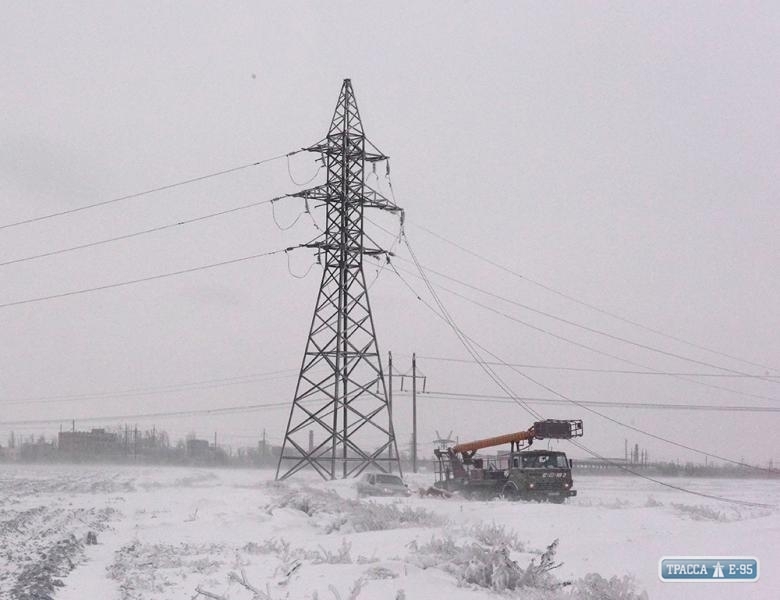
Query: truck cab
pixel 539 475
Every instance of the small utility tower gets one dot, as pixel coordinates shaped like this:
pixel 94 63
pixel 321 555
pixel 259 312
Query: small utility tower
pixel 341 396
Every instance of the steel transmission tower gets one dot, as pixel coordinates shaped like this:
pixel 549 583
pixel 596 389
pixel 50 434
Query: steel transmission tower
pixel 340 413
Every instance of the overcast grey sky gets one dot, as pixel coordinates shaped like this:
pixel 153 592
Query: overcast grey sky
pixel 626 154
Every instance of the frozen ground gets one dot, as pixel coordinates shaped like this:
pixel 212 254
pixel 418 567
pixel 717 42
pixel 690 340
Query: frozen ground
pixel 170 533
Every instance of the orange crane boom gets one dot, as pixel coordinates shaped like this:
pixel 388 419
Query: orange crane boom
pixel 547 429
pixel 499 440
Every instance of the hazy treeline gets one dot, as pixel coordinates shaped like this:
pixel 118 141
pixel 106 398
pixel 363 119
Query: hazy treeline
pixel 124 444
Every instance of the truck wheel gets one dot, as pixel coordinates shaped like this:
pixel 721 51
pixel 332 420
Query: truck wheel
pixel 510 492
pixel 556 499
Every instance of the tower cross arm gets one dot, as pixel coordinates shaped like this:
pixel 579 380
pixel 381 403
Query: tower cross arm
pixel 318 193
pixel 373 199
pixel 325 147
pixel 322 245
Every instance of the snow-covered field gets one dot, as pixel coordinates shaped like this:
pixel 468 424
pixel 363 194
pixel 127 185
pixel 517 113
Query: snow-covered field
pixel 184 533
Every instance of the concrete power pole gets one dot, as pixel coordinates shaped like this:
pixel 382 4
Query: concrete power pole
pixel 414 412
pixel 415 376
pixel 390 408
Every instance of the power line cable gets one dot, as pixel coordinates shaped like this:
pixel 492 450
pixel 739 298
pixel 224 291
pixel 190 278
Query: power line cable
pixel 147 192
pixel 590 329
pixel 285 227
pixel 465 340
pixel 632 427
pixel 591 348
pixel 607 461
pixel 603 403
pixel 585 327
pixel 595 454
pixel 145 391
pixel 141 280
pixel 615 421
pixel 572 401
pixel 290 271
pixel 589 305
pixel 157 415
pixel 593 370
pixel 146 231
pixel 301 183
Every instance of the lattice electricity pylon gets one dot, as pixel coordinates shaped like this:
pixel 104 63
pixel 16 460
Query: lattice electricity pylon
pixel 340 412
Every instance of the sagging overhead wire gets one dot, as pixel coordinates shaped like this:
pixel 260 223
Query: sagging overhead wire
pixel 157 415
pixel 379 271
pixel 666 484
pixel 306 211
pixel 466 341
pixel 143 232
pixel 591 348
pixel 566 398
pixel 291 225
pixel 589 329
pixel 202 384
pixel 308 181
pixel 514 399
pixel 289 266
pixel 155 190
pixel 141 280
pixel 632 427
pixel 551 390
pixel 589 305
pixel 592 370
pixel 603 403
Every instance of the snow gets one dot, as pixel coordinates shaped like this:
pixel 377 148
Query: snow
pixel 170 533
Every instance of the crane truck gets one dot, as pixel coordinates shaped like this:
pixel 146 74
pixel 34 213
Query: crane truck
pixel 520 474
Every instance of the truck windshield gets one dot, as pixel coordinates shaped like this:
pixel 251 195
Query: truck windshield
pixel 545 461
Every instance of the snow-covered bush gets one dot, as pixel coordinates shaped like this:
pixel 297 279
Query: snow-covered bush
pixel 145 570
pixel 270 546
pixel 484 566
pixel 368 516
pixel 334 513
pixel 491 534
pixel 491 567
pixel 341 556
pixel 595 587
pixel 700 512
pixel 729 514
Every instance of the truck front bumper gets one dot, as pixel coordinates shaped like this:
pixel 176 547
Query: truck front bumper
pixel 553 493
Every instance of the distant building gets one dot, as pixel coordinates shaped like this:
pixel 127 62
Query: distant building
pixel 97 442
pixel 198 449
